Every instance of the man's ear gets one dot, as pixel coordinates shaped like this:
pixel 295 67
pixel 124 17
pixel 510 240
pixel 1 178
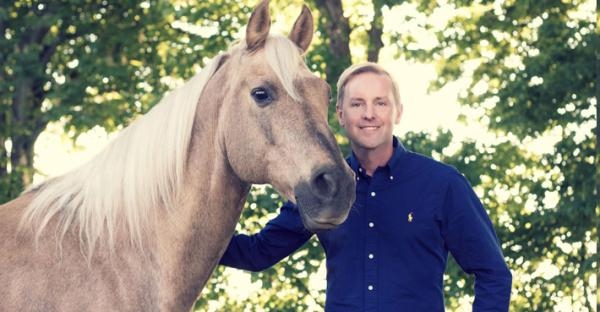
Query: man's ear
pixel 340 116
pixel 399 111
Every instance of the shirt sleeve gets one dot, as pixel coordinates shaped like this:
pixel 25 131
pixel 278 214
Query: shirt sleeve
pixel 282 235
pixel 470 237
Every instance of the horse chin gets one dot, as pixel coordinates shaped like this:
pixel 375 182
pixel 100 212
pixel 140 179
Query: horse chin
pixel 317 226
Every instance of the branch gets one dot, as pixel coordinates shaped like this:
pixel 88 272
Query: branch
pixel 48 50
pixel 375 32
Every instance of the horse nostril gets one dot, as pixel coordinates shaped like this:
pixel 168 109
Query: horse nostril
pixel 324 184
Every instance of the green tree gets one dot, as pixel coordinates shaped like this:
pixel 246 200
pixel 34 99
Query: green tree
pixel 533 69
pixel 88 63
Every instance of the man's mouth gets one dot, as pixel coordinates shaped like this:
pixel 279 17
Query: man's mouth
pixel 368 127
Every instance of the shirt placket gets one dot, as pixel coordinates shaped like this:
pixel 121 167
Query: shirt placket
pixel 370 256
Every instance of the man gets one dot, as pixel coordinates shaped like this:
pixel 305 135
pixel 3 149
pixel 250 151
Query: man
pixel 410 211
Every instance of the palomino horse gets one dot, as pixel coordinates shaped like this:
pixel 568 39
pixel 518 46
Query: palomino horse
pixel 143 224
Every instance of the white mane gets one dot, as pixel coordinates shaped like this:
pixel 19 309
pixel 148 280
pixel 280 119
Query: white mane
pixel 142 168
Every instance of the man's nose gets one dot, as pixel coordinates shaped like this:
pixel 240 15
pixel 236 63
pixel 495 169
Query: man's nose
pixel 368 112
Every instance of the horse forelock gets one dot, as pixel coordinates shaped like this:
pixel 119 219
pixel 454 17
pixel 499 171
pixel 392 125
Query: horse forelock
pixel 138 171
pixel 284 58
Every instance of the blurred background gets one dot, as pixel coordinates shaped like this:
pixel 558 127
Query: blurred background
pixel 506 91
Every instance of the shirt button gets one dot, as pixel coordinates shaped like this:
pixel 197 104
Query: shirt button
pixel 371 224
pixel 391 177
pixel 371 256
pixel 370 287
pixel 357 178
pixel 372 194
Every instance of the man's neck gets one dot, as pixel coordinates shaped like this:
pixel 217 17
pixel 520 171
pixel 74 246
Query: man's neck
pixel 371 159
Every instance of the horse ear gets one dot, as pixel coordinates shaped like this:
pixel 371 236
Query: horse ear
pixel 303 29
pixel 222 59
pixel 258 26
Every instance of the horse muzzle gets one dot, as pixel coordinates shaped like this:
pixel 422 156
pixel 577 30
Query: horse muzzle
pixel 324 201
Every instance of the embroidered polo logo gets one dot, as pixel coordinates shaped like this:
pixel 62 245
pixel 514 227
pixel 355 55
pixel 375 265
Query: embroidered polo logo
pixel 410 217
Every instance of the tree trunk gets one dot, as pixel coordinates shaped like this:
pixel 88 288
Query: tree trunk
pixel 375 43
pixel 26 127
pixel 597 54
pixel 21 118
pixel 337 29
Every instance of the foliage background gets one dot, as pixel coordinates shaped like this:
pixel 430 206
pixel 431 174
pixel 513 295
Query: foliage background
pixel 530 71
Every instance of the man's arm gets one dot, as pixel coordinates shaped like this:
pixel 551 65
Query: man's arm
pixel 470 237
pixel 281 236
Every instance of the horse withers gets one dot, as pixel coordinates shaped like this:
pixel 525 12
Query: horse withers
pixel 142 225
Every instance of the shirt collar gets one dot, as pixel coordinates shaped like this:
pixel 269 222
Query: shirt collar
pixel 399 150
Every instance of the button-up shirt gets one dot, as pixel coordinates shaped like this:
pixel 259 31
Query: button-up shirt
pixel 390 254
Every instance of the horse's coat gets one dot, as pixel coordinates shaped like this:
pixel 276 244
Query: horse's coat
pixel 142 225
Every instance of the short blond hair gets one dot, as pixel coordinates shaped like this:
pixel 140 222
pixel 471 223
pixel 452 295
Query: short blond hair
pixel 366 67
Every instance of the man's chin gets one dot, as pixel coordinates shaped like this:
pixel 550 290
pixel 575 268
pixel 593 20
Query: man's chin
pixel 365 143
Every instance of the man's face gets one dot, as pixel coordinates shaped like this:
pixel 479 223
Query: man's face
pixel 368 111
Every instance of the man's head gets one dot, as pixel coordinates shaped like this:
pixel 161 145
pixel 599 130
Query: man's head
pixel 368 106
pixel 367 67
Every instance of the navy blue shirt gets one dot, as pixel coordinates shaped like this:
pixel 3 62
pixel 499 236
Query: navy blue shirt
pixel 391 252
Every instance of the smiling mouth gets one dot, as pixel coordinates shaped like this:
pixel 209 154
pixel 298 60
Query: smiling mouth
pixel 369 127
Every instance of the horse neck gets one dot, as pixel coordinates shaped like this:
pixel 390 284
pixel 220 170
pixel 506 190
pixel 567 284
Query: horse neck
pixel 197 231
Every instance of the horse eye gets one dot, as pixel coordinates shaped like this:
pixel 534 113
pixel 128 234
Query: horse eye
pixel 261 96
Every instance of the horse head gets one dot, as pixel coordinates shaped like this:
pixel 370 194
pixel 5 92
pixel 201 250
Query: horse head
pixel 273 121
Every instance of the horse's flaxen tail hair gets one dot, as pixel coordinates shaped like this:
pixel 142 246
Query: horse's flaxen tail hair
pixel 138 171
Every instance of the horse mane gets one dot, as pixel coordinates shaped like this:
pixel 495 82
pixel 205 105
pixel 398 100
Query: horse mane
pixel 142 168
pixel 127 179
